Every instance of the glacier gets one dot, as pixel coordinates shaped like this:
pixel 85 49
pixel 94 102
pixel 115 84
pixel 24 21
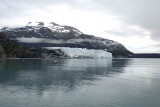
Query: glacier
pixel 82 52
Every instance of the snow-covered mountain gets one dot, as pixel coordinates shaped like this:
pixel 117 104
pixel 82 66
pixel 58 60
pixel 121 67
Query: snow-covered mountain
pixel 38 35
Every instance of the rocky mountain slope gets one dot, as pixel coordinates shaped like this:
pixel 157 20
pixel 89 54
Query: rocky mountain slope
pixel 10 48
pixel 13 49
pixel 37 35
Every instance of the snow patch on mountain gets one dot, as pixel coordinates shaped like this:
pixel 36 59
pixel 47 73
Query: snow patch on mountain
pixel 82 52
pixel 63 29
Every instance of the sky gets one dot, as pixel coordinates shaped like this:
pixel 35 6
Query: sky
pixel 134 23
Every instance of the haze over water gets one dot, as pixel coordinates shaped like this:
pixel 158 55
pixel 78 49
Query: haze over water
pixel 80 83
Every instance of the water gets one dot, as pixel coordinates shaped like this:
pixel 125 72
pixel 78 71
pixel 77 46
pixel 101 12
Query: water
pixel 80 83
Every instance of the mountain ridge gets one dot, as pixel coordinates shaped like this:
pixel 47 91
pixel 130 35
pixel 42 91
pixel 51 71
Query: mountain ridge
pixel 54 35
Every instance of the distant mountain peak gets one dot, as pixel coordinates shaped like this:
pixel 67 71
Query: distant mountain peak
pixel 36 23
pixel 53 24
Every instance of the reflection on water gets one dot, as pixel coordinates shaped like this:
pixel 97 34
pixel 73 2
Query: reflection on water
pixel 79 82
pixel 41 73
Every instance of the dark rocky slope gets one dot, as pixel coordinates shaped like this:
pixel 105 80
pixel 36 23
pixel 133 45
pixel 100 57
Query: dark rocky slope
pixel 10 48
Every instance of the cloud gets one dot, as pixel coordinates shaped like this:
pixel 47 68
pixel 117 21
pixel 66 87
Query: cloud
pixel 129 31
pixel 143 13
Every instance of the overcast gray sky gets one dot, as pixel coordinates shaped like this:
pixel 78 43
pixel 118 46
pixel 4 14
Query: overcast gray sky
pixel 134 23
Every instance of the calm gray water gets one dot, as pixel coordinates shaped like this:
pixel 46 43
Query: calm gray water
pixel 80 83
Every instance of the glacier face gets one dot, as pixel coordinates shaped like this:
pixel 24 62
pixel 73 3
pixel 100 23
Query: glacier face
pixel 82 52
